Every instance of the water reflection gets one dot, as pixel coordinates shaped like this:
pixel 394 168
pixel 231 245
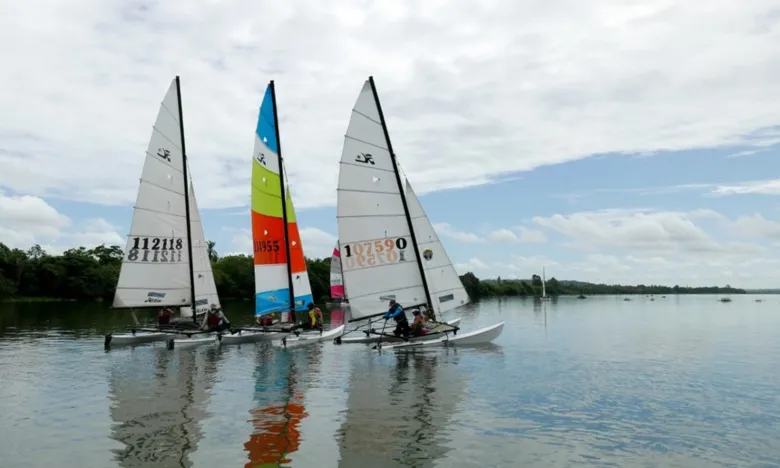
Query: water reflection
pixel 281 380
pixel 158 399
pixel 398 409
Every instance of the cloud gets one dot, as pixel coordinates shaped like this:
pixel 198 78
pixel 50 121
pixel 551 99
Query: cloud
pixel 474 264
pixel 28 220
pixel 529 236
pixel 86 82
pixel 754 187
pixel 757 226
pixel 658 231
pixel 446 229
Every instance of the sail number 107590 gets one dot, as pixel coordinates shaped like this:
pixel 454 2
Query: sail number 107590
pixel 155 249
pixel 376 252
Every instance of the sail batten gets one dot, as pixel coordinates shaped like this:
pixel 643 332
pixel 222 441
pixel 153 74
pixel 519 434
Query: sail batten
pixel 270 236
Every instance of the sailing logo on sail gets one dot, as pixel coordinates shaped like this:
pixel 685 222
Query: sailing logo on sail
pixel 365 158
pixel 261 158
pixel 428 254
pixel 154 297
pixel 164 153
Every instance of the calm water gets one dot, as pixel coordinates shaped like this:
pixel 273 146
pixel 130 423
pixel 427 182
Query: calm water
pixel 682 381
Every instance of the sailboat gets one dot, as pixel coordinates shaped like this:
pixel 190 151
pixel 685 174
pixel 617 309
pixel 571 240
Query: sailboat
pixel 544 297
pixel 166 260
pixel 337 293
pixel 382 230
pixel 281 280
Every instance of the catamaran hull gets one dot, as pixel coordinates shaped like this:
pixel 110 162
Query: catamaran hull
pixel 475 338
pixel 375 338
pixel 129 339
pixel 193 341
pixel 309 338
pixel 247 337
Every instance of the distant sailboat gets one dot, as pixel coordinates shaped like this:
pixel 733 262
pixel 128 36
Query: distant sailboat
pixel 166 261
pixel 545 297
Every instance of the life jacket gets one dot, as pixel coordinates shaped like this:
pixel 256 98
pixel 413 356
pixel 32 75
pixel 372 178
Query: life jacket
pixel 265 320
pixel 315 315
pixel 213 319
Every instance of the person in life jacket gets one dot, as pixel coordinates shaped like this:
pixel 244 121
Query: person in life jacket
pixel 396 312
pixel 315 316
pixel 164 316
pixel 418 325
pixel 266 320
pixel 215 320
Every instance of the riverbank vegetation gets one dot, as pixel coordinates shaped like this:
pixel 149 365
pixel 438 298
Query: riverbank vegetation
pixel 91 274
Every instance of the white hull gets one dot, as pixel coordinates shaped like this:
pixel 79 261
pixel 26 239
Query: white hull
pixel 475 338
pixel 244 336
pixel 196 340
pixel 545 298
pixel 308 337
pixel 129 339
pixel 374 338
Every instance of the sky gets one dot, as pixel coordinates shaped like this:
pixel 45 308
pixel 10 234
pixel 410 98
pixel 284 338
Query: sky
pixel 617 141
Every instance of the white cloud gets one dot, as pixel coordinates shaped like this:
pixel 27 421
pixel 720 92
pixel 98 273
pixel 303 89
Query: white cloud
pixel 753 187
pixel 317 243
pixel 86 82
pixel 28 220
pixel 529 236
pixel 445 229
pixel 474 264
pixel 658 231
pixel 757 226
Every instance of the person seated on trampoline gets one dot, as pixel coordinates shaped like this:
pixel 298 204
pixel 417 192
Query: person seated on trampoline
pixel 418 325
pixel 315 317
pixel 266 320
pixel 164 316
pixel 215 320
pixel 396 312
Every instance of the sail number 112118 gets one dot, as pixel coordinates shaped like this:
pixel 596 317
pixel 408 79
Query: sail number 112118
pixel 155 249
pixel 376 252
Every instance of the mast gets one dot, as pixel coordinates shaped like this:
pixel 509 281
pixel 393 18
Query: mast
pixel 187 204
pixel 544 280
pixel 282 175
pixel 403 196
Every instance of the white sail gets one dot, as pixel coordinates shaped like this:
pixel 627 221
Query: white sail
pixel 446 289
pixel 377 252
pixel 155 268
pixel 205 287
pixel 544 281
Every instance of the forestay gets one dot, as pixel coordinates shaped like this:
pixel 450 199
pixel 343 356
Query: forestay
pixel 378 257
pixel 272 283
pixel 155 267
pixel 446 289
pixel 205 287
pixel 336 279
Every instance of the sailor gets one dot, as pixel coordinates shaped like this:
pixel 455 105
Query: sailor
pixel 315 316
pixel 396 312
pixel 215 320
pixel 418 325
pixel 164 316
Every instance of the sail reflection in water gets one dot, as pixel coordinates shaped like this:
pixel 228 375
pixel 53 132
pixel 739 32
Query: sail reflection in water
pixel 281 381
pixel 157 404
pixel 398 409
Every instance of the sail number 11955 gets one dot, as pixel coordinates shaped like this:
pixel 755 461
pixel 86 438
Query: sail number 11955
pixel 376 252
pixel 155 249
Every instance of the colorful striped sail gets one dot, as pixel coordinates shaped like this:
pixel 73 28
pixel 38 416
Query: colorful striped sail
pixel 272 283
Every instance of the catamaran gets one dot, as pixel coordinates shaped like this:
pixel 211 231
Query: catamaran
pixel 281 279
pixel 382 231
pixel 166 261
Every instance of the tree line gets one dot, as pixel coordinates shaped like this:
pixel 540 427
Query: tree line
pixel 91 274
